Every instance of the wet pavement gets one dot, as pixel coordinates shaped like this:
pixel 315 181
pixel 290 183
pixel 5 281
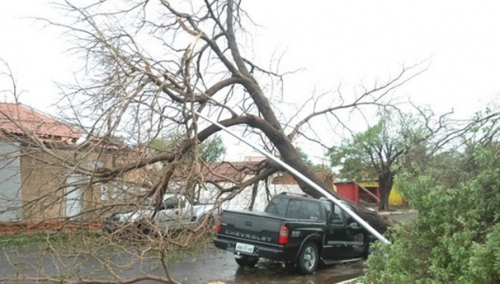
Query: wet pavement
pixel 220 267
pixel 210 266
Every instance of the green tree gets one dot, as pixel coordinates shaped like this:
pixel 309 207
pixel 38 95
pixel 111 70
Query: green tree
pixel 310 164
pixel 375 153
pixel 305 158
pixel 456 236
pixel 212 149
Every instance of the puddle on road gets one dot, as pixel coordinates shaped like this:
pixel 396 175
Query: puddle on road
pixel 216 267
pixel 269 272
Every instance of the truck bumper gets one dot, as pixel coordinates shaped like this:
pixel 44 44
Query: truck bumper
pixel 112 226
pixel 275 252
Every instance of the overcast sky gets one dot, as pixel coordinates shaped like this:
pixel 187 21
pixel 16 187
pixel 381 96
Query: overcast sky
pixel 337 42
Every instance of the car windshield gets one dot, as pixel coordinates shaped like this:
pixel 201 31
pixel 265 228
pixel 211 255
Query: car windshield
pixel 171 203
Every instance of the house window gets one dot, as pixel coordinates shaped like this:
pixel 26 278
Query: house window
pixel 104 193
pixel 74 196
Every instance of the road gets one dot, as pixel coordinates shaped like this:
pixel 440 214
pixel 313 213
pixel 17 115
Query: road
pixel 220 267
pixel 208 266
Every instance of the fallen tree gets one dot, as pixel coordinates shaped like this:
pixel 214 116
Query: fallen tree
pixel 198 64
pixel 148 66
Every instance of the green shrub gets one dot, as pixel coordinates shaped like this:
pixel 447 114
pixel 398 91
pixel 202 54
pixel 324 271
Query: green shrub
pixel 456 236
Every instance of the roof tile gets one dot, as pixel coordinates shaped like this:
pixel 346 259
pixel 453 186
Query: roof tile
pixel 17 119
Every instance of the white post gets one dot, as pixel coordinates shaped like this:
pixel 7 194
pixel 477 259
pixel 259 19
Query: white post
pixel 303 178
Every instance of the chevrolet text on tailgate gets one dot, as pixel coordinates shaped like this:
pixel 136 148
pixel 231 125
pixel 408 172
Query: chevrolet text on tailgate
pixel 298 230
pixel 247 236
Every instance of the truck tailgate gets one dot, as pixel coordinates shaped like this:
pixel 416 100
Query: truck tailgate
pixel 257 227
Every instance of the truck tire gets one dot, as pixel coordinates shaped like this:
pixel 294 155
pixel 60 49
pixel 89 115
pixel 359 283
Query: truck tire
pixel 367 250
pixel 144 227
pixel 308 259
pixel 247 261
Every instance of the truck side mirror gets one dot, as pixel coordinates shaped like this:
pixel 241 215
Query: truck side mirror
pixel 354 225
pixel 335 218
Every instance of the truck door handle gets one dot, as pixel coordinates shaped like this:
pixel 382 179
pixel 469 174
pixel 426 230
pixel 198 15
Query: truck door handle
pixel 248 223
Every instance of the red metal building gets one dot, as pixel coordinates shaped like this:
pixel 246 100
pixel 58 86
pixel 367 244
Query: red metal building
pixel 356 193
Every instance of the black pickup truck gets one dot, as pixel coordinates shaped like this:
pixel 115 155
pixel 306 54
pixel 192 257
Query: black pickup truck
pixel 298 230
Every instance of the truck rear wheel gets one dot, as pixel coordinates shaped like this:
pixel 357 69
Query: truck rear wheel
pixel 308 259
pixel 246 260
pixel 144 227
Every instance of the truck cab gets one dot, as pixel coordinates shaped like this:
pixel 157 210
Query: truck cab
pixel 344 237
pixel 296 229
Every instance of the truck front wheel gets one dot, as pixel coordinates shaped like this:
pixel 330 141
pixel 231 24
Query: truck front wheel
pixel 246 260
pixel 308 259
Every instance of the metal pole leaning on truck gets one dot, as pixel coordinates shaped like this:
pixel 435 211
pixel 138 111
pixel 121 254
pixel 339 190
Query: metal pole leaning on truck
pixel 303 178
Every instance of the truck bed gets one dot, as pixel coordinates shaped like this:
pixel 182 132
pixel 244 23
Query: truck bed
pixel 260 227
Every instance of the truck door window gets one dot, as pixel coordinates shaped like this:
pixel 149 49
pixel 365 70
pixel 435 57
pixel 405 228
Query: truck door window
pixel 294 209
pixel 277 206
pixel 337 217
pixel 310 211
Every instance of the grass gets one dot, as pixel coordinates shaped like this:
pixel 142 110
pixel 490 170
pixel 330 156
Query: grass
pixel 97 240
pixel 42 239
pixel 201 245
pixel 84 251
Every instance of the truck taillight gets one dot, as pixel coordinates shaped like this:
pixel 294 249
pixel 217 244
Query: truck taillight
pixel 283 238
pixel 218 224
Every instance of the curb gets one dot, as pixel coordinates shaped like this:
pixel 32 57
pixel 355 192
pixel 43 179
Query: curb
pixel 397 212
pixel 351 281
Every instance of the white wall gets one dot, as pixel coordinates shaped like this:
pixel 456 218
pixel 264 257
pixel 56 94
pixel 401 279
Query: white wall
pixel 242 201
pixel 10 183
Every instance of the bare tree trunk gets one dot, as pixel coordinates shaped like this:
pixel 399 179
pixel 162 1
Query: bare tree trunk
pixel 255 188
pixel 268 191
pixel 385 182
